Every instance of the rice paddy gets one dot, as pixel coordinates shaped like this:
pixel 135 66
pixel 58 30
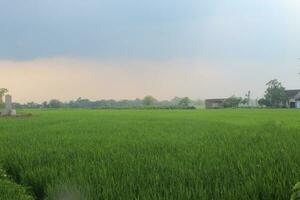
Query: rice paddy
pixel 150 154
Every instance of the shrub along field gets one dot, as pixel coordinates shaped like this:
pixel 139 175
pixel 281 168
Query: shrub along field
pixel 145 154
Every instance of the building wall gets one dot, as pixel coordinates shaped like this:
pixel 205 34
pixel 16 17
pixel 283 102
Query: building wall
pixel 298 104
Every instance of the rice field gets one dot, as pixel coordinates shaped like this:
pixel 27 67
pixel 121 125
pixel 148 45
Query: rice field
pixel 150 154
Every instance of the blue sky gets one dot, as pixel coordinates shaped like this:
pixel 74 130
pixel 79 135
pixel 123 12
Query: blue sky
pixel 231 35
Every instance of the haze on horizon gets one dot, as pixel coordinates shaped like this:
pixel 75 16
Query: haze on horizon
pixel 127 49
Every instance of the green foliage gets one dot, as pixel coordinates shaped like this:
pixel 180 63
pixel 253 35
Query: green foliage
pixel 3 91
pixel 275 95
pixel 10 190
pixel 184 102
pixel 247 99
pixel 54 103
pixel 232 102
pixel 262 102
pixel 296 192
pixel 153 154
pixel 149 100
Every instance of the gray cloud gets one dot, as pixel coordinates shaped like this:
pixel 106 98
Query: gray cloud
pixel 149 29
pixel 131 48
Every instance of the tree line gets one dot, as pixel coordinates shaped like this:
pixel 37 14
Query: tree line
pixel 275 97
pixel 146 102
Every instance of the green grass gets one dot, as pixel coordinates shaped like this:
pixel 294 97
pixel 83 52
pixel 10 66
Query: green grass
pixel 159 154
pixel 10 190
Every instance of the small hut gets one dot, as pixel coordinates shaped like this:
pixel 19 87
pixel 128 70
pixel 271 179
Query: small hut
pixel 214 103
pixel 293 98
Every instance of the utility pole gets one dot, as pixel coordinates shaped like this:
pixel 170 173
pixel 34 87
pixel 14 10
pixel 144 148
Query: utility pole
pixel 248 95
pixel 299 59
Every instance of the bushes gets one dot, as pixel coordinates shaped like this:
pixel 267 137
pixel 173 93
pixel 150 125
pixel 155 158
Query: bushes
pixel 232 102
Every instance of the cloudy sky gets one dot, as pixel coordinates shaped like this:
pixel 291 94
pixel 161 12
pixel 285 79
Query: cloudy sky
pixel 131 48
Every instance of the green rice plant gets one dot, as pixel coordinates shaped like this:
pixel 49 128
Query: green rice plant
pixel 296 192
pixel 10 190
pixel 151 154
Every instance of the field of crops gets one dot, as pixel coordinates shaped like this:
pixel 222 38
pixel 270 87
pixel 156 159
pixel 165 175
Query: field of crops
pixel 150 154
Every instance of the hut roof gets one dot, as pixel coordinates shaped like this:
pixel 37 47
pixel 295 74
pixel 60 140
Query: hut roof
pixel 292 93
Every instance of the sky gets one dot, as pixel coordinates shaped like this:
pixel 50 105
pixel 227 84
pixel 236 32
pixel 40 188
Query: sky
pixel 126 49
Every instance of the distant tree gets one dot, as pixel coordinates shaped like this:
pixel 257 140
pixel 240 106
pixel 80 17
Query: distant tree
pixel 33 105
pixel 3 91
pixel 246 100
pixel 262 102
pixel 232 102
pixel 184 102
pixel 54 103
pixel 175 101
pixel 149 100
pixel 45 104
pixel 198 103
pixel 275 95
pixel 18 105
